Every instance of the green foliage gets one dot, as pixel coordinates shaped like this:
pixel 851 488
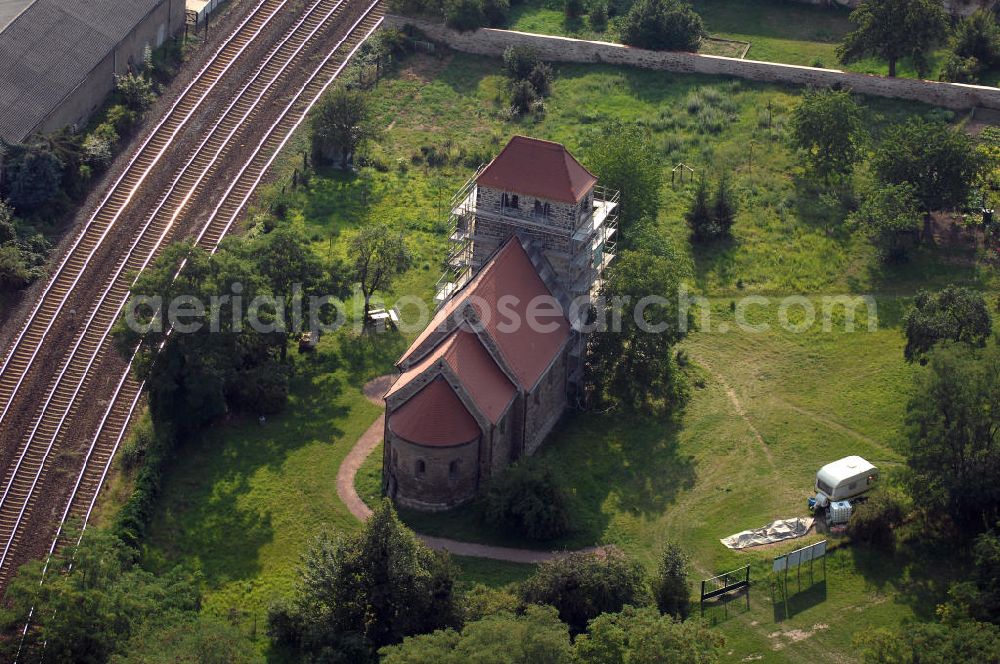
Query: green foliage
pixel 699 214
pixel 496 12
pixel 482 601
pixel 189 640
pixel 938 161
pixel 464 15
pixel 520 61
pixel 527 499
pixel 724 206
pixel 135 91
pixel 716 221
pixel 33 175
pixel 895 29
pixel 22 259
pixel 94 598
pixel 979 597
pixel 523 97
pixel 954 441
pixel 975 46
pixel 418 8
pixel 341 123
pixel 663 25
pixel 537 637
pixel 623 158
pixel 360 592
pixel 122 118
pixel 670 588
pixel 874 519
pixel 582 586
pixel 643 636
pixel 598 17
pixel 634 366
pixel 380 255
pixel 573 8
pixel 828 126
pixel 889 218
pixel 930 643
pixel 954 314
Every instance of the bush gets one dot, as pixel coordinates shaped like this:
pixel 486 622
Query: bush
pixel 541 79
pixel 873 520
pixel 523 97
pixel 663 25
pixel 582 586
pixel 496 12
pixel 464 15
pixel 527 500
pixel 121 118
pixel 673 596
pixel 961 70
pixel 598 17
pixel 520 61
pixel 573 8
pixel 978 37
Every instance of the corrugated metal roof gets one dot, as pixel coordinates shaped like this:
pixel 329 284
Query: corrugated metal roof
pixel 9 9
pixel 50 48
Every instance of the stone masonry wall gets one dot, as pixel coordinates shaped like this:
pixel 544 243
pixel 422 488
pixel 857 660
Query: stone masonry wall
pixel 490 42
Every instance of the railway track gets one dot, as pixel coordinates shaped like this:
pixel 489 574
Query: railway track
pixel 92 343
pixel 24 349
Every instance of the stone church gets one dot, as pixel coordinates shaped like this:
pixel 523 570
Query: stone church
pixel 485 382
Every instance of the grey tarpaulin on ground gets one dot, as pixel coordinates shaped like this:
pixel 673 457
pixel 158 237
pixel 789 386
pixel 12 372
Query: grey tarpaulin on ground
pixel 782 529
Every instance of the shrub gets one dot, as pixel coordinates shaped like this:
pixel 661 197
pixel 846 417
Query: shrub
pixel 573 8
pixel 121 118
pixel 978 37
pixel 96 150
pixel 598 17
pixel 496 12
pixel 724 206
pixel 523 97
pixel 541 79
pixel 663 25
pixel 464 15
pixel 873 520
pixel 699 214
pixel 135 90
pixel 582 586
pixel 520 61
pixel 526 499
pixel 961 70
pixel 673 596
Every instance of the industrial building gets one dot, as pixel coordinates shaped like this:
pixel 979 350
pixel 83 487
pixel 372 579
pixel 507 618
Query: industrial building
pixel 58 58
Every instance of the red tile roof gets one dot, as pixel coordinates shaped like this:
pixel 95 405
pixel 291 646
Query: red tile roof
pixel 485 381
pixel 526 349
pixel 434 417
pixel 537 168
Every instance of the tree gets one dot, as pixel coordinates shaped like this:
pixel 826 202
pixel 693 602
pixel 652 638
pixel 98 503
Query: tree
pixel 632 363
pixel 673 595
pixel 520 61
pixel 724 206
pixel 874 519
pixel 380 255
pixel 360 592
pixel 940 162
pixel 495 12
pixel 582 586
pixel 598 17
pixel 889 218
pixel 624 159
pixel 978 597
pixel 828 126
pixel 954 314
pixel 33 175
pixel 527 499
pixel 573 8
pixel 953 433
pixel 643 636
pixel 663 25
pixel 699 214
pixel 93 599
pixel 341 123
pixel 895 29
pixel 537 637
pixel 464 15
pixel 929 643
pixel 977 36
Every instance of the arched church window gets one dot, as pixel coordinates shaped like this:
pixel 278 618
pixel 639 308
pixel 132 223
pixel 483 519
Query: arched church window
pixel 421 467
pixel 453 468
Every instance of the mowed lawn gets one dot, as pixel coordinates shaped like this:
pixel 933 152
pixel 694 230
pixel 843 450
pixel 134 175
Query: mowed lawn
pixel 243 501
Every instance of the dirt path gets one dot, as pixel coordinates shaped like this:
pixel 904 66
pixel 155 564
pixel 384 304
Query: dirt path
pixel 734 399
pixel 367 443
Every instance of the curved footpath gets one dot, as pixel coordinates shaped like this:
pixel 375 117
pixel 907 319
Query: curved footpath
pixel 367 443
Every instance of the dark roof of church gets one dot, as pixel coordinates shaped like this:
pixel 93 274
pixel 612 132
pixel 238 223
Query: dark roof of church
pixel 50 48
pixel 538 168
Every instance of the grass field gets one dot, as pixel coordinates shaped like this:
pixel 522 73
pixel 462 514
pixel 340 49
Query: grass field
pixel 778 31
pixel 242 501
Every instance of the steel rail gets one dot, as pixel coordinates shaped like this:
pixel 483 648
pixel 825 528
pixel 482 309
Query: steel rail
pixel 116 201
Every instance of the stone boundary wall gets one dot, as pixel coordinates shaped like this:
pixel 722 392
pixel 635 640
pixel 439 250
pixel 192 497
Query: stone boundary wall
pixel 491 42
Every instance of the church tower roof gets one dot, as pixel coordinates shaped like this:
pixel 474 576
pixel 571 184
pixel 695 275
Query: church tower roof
pixel 543 169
